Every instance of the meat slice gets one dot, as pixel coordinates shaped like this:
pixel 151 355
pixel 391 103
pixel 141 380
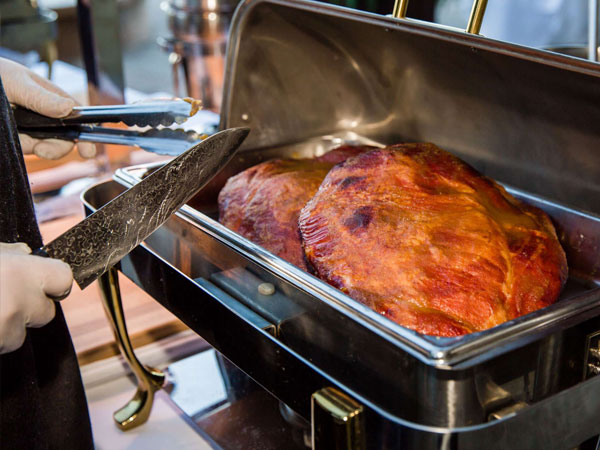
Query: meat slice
pixel 263 202
pixel 422 238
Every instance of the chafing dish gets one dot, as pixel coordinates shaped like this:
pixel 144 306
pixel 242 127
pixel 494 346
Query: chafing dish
pixel 306 77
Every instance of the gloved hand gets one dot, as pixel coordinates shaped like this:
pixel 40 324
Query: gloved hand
pixel 24 282
pixel 25 88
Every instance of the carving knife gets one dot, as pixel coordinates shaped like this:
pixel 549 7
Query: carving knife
pixel 106 236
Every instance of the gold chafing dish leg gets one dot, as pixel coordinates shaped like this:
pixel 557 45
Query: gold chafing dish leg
pixel 150 380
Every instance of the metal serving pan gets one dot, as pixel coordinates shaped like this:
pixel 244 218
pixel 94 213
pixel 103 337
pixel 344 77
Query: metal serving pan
pixel 579 234
pixel 441 381
pixel 305 76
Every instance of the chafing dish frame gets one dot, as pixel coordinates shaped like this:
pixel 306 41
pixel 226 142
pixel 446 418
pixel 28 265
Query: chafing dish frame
pixel 463 357
pixel 293 376
pixel 444 353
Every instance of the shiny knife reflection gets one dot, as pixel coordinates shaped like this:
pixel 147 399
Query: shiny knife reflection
pixel 106 236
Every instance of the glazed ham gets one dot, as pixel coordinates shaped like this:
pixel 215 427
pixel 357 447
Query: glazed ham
pixel 263 202
pixel 409 230
pixel 422 238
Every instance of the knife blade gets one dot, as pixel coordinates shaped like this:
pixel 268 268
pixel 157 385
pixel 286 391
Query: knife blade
pixel 106 236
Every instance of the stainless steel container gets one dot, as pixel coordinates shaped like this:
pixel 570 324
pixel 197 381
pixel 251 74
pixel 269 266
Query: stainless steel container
pixel 197 46
pixel 306 76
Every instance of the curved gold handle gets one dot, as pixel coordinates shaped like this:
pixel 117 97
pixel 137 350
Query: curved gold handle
pixel 150 380
pixel 475 19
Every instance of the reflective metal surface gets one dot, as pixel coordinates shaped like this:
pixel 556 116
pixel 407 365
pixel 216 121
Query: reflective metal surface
pixel 197 46
pixel 593 26
pixel 229 409
pixel 337 421
pixel 476 16
pixel 163 141
pixel 577 52
pixel 591 364
pixel 81 125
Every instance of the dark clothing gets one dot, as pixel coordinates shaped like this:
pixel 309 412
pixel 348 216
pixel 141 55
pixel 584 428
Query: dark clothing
pixel 42 402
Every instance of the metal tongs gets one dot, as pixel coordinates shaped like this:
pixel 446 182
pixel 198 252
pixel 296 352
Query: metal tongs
pixel 82 125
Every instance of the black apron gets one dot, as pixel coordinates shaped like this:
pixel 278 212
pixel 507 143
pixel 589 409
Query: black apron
pixel 42 402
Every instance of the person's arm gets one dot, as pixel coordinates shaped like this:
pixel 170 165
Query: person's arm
pixel 26 281
pixel 25 88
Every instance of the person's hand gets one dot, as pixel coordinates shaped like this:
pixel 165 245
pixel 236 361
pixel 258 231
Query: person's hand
pixel 25 280
pixel 25 88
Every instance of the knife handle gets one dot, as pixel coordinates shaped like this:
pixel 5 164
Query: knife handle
pixel 44 254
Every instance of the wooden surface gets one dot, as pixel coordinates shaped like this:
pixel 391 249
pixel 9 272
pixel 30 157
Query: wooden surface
pixel 92 336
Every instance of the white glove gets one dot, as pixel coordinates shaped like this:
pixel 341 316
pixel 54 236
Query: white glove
pixel 25 88
pixel 24 282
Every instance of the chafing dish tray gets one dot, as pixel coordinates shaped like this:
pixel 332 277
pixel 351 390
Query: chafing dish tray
pixel 443 382
pixel 306 76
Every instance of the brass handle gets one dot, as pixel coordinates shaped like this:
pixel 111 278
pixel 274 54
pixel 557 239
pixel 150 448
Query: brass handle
pixel 336 421
pixel 150 380
pixel 475 19
pixel 400 7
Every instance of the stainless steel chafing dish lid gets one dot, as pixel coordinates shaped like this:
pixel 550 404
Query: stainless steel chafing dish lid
pixel 530 118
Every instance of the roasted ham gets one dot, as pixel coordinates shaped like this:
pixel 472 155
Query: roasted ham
pixel 409 230
pixel 422 238
pixel 262 203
